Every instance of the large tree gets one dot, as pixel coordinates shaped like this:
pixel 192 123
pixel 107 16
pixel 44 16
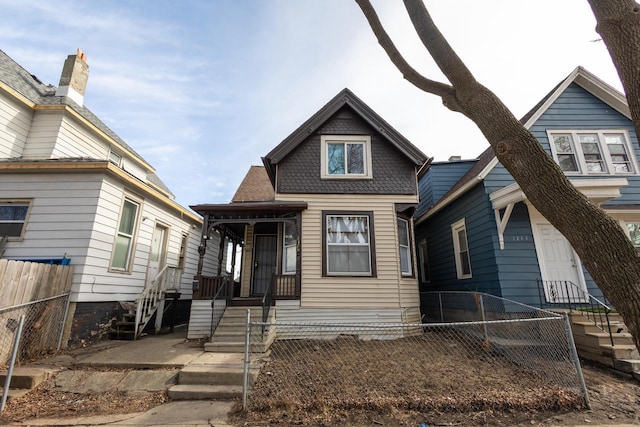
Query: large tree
pixel 604 248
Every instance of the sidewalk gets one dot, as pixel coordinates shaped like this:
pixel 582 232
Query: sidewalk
pixel 152 364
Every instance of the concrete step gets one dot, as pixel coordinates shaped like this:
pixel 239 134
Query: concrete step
pixel 233 347
pixel 204 392
pixel 14 393
pixel 629 366
pixel 215 375
pixel 26 378
pixel 623 351
pixel 222 335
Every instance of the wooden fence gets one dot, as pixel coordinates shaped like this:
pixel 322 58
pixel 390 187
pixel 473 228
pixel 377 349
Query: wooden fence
pixel 22 282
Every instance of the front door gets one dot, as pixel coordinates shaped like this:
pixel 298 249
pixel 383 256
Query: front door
pixel 264 263
pixel 559 264
pixel 157 257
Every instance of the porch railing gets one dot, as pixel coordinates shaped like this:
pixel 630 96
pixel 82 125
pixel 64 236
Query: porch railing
pixel 567 294
pixel 219 303
pixel 207 286
pixel 150 298
pixel 285 286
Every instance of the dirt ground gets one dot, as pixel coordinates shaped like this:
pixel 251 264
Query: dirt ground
pixel 615 399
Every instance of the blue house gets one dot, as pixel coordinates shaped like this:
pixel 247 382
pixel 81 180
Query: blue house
pixel 475 229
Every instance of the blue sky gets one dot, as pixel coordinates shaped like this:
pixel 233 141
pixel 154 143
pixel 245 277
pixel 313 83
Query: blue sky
pixel 203 89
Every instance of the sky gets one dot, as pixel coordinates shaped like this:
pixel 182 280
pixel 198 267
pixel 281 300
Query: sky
pixel 202 89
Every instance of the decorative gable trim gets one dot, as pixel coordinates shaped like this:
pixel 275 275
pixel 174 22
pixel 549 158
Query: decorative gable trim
pixel 345 97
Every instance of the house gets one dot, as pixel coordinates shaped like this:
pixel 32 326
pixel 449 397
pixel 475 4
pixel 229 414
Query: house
pixel 325 225
pixel 73 192
pixel 475 229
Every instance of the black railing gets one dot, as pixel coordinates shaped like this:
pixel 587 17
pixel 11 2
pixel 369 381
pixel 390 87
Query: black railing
pixel 219 303
pixel 206 287
pixel 267 302
pixel 566 294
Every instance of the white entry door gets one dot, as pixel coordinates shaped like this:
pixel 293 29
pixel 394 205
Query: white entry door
pixel 157 257
pixel 559 264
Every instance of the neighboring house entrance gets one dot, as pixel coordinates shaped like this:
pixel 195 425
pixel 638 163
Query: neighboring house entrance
pixel 558 264
pixel 158 255
pixel 264 262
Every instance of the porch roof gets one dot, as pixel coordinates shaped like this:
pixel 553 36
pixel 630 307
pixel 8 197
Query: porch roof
pixel 250 208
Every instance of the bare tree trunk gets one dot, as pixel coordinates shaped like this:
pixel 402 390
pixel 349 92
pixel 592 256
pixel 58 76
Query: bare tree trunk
pixel 602 245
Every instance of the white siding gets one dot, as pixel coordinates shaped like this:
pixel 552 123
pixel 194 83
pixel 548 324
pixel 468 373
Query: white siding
pixel 43 134
pixel 15 122
pixel 387 290
pixel 134 169
pixel 75 140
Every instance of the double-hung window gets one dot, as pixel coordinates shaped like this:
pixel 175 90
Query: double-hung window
pixel 348 241
pixel 593 152
pixel 405 247
pixel 123 247
pixel 13 217
pixel 290 243
pixel 346 156
pixel 461 249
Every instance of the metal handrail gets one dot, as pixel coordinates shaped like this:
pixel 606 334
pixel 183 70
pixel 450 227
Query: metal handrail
pixel 267 301
pixel 222 294
pixel 586 304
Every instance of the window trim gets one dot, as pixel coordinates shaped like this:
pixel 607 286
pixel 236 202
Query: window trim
pixel 118 163
pixel 372 246
pixel 182 254
pixel 456 228
pixel 581 162
pixel 409 246
pixel 19 202
pixel 283 269
pixel 134 237
pixel 365 140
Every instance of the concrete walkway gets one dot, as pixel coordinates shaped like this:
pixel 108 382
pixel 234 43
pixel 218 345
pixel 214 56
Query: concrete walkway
pixel 152 364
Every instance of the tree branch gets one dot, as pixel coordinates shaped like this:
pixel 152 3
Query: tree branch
pixel 445 91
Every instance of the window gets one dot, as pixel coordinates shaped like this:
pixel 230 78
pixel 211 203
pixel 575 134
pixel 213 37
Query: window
pixel 115 158
pixel 405 248
pixel 348 244
pixel 289 246
pixel 13 216
pixel 461 249
pixel 122 249
pixel 633 228
pixel 425 275
pixel 346 156
pixel 592 152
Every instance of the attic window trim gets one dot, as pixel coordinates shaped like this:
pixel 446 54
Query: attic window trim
pixel 115 158
pixel 364 140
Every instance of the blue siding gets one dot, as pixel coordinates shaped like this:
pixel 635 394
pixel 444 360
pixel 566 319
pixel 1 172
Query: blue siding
pixel 438 180
pixel 475 207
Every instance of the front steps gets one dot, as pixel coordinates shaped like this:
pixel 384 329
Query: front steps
pixel 219 372
pixel 594 344
pixel 229 337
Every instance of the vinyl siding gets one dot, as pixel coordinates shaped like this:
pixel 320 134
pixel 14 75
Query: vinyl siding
pixel 15 121
pixel 75 140
pixel 438 179
pixel 43 135
pixel 475 208
pixel 388 289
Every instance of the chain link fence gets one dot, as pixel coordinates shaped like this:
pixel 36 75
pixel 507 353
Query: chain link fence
pixel 42 329
pixel 484 353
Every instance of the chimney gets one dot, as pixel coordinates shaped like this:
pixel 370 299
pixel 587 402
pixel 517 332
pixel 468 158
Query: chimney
pixel 455 158
pixel 73 80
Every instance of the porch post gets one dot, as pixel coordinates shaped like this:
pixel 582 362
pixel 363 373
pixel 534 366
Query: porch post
pixel 233 260
pixel 202 249
pixel 221 251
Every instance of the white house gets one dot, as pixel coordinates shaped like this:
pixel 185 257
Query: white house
pixel 72 191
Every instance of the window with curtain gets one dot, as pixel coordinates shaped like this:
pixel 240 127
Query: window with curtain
pixel 348 244
pixel 122 249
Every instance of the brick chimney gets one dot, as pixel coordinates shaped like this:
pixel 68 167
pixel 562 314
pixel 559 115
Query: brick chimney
pixel 73 80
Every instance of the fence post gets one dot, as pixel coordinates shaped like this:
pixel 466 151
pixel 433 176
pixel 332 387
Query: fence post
pixel 245 379
pixel 63 322
pixel 14 353
pixel 440 301
pixel 576 360
pixel 484 320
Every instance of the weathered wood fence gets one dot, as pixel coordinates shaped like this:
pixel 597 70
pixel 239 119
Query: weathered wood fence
pixel 22 282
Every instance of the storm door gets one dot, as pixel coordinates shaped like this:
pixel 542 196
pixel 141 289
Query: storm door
pixel 264 262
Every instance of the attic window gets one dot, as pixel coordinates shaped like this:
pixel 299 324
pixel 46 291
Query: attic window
pixel 115 158
pixel 593 152
pixel 346 157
